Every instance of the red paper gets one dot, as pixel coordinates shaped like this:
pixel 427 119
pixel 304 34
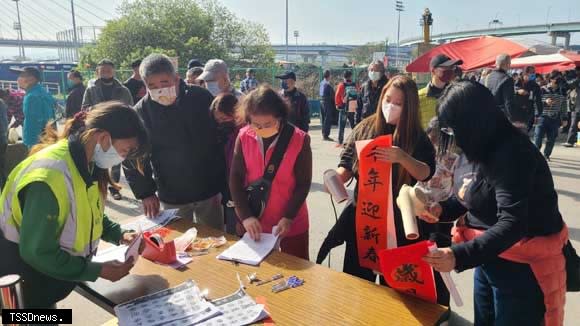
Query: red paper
pixel 405 271
pixel 372 209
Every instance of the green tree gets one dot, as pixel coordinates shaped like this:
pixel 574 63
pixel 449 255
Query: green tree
pixel 364 54
pixel 202 29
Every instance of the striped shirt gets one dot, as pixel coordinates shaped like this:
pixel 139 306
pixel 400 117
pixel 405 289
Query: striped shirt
pixel 558 106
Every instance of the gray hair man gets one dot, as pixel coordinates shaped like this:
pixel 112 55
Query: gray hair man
pixel 189 168
pixel 501 85
pixel 217 79
pixel 371 90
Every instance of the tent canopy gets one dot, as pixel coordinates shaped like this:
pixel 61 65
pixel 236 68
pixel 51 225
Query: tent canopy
pixel 475 52
pixel 562 61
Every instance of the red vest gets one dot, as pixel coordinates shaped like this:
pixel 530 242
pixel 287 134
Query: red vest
pixel 284 182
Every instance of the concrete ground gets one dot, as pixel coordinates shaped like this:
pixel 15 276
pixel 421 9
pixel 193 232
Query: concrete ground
pixel 565 167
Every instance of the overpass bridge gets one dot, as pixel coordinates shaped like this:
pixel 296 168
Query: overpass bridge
pixel 554 30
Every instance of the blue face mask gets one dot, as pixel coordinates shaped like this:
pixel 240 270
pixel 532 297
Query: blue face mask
pixel 108 159
pixel 69 83
pixel 532 77
pixel 284 85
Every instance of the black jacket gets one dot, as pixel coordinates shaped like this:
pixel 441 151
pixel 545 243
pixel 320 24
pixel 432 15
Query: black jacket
pixel 501 86
pixel 187 162
pixel 526 106
pixel 512 197
pixel 299 108
pixel 369 99
pixel 74 100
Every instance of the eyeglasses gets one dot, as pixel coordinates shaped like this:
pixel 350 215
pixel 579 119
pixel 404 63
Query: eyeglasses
pixel 448 131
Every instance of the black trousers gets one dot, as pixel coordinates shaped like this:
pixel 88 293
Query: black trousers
pixel 573 131
pixel 39 290
pixel 3 175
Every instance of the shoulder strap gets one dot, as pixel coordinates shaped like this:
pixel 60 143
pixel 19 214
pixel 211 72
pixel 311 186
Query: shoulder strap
pixel 279 150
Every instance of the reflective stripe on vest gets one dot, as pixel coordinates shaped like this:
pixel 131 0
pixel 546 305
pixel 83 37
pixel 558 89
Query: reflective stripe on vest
pixel 69 233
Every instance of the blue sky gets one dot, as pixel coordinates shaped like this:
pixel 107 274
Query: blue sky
pixel 318 21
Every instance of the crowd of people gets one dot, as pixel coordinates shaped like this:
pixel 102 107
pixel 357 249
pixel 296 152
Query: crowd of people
pixel 241 161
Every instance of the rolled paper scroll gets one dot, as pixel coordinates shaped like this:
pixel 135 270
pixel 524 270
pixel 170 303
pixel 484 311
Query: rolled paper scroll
pixel 407 207
pixel 335 186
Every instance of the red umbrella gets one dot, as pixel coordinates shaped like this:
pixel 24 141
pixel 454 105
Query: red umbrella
pixel 561 61
pixel 475 52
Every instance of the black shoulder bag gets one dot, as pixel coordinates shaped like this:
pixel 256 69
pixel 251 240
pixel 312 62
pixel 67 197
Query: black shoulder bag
pixel 259 190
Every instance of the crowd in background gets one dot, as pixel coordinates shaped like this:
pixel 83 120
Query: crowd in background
pixel 240 160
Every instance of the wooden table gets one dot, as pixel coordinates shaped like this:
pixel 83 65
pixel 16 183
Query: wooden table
pixel 326 298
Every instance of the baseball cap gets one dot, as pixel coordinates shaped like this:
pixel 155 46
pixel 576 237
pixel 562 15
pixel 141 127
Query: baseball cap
pixel 287 75
pixel 136 63
pixel 194 63
pixel 441 60
pixel 28 71
pixel 106 62
pixel 213 68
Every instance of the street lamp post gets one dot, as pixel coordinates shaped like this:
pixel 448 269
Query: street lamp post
pixel 296 35
pixel 286 30
pixel 76 40
pixel 398 7
pixel 18 26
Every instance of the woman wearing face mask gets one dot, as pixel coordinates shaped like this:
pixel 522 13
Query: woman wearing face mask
pixel 52 210
pixel 413 158
pixel 224 109
pixel 267 114
pixel 513 232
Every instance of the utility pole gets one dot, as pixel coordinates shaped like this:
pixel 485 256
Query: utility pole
pixel 296 34
pixel 398 7
pixel 75 39
pixel 18 26
pixel 286 30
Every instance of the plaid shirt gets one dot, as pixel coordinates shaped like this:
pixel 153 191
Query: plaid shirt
pixel 14 104
pixel 248 85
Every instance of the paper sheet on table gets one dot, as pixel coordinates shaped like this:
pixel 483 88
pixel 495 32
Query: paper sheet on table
pixel 248 251
pixel 237 309
pixel 133 249
pixel 112 253
pixel 180 305
pixel 144 223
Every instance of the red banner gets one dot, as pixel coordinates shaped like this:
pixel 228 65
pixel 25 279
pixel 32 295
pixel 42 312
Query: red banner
pixel 405 271
pixel 372 209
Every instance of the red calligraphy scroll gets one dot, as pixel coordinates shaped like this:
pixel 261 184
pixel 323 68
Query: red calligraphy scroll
pixel 405 271
pixel 372 209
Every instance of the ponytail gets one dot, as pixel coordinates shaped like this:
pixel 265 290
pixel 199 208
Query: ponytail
pixel 120 120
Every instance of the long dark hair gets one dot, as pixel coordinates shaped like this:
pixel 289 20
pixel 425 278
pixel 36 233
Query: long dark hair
pixel 408 130
pixel 120 120
pixel 478 125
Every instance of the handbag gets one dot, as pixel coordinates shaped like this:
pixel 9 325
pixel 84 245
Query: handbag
pixel 259 190
pixel 572 268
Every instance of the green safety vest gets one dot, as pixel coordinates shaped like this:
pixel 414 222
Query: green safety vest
pixel 78 205
pixel 427 106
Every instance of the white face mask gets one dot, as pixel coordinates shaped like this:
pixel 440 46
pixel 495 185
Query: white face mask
pixel 213 88
pixel 164 96
pixel 392 113
pixel 374 75
pixel 108 159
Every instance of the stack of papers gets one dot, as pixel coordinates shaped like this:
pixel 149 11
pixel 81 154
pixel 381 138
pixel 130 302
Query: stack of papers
pixel 181 305
pixel 250 252
pixel 144 223
pixel 237 309
pixel 184 305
